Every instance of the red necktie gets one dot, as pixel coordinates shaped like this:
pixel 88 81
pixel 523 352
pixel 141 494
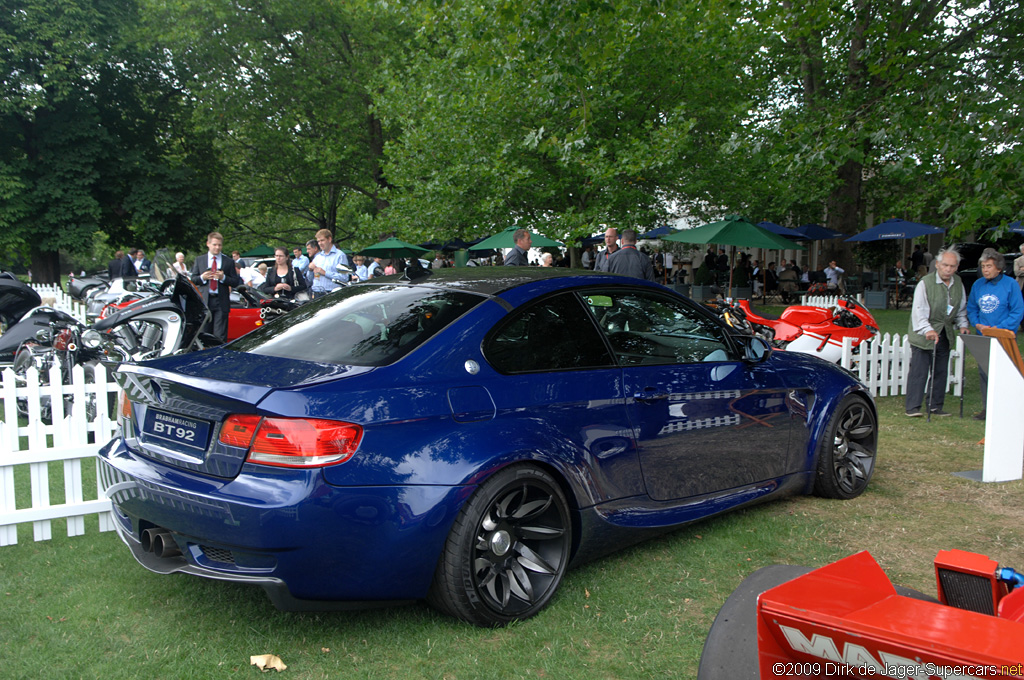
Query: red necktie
pixel 213 279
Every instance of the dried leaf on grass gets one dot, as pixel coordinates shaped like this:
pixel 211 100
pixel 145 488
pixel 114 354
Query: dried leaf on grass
pixel 267 661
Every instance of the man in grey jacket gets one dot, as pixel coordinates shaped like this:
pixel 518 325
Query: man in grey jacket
pixel 611 238
pixel 516 257
pixel 630 261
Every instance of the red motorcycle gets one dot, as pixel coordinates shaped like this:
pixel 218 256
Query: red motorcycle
pixel 808 329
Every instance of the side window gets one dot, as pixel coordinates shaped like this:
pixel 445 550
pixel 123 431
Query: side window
pixel 552 335
pixel 647 328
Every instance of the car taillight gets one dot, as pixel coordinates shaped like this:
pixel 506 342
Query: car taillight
pixel 292 442
pixel 239 430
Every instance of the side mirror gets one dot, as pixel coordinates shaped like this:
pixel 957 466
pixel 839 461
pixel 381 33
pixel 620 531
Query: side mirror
pixel 755 348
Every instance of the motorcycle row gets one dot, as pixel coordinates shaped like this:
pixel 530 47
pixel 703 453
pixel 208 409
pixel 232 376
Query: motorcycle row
pixel 129 320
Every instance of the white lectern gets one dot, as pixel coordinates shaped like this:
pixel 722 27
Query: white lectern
pixel 1004 422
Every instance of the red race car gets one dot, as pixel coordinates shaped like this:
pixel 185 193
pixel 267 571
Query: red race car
pixel 847 620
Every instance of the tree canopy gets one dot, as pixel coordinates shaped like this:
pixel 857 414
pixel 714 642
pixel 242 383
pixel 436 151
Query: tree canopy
pixel 153 122
pixel 95 135
pixel 562 115
pixel 888 107
pixel 286 88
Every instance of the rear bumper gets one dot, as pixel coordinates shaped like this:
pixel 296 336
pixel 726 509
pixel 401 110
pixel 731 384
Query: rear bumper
pixel 275 588
pixel 308 544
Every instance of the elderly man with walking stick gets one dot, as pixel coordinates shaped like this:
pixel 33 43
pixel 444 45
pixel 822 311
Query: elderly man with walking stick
pixel 938 313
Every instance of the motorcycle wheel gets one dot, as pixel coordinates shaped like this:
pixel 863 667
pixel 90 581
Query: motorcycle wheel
pixel 27 356
pixel 92 369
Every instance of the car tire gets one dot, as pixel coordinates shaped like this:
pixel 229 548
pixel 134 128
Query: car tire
pixel 507 550
pixel 846 454
pixel 730 649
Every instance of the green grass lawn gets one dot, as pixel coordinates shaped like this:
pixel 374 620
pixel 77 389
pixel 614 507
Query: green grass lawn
pixel 82 608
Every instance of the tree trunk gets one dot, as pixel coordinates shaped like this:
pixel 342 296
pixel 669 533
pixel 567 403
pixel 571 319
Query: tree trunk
pixel 844 210
pixel 45 266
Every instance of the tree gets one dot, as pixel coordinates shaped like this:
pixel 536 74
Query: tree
pixel 95 136
pixel 561 115
pixel 890 107
pixel 285 86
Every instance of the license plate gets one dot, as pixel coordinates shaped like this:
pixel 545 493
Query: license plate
pixel 178 429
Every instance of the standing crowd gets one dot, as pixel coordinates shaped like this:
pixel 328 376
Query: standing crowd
pixel 620 255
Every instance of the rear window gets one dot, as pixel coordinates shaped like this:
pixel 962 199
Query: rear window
pixel 363 325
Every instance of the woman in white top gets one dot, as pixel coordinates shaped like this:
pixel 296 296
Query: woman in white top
pixel 178 266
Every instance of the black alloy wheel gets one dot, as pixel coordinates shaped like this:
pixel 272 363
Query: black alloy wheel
pixel 846 454
pixel 507 551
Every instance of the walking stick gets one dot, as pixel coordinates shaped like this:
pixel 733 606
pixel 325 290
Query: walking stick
pixel 962 381
pixel 931 382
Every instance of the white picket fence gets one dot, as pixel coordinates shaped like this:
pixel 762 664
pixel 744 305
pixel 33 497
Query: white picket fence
pixel 883 364
pixel 70 439
pixel 826 300
pixel 54 296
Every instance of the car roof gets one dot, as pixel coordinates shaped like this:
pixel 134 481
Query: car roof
pixel 493 281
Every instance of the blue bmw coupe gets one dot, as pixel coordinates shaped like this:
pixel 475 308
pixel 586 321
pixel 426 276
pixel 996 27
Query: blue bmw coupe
pixel 466 436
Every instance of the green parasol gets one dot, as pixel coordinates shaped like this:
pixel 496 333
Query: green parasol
pixel 504 240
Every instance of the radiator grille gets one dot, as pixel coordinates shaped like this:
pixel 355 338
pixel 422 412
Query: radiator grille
pixel 967 591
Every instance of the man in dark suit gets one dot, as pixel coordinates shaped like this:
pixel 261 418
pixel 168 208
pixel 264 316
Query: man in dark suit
pixel 214 274
pixel 115 266
pixel 128 265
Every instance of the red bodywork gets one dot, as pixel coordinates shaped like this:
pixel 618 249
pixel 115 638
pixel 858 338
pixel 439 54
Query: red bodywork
pixel 847 620
pixel 241 320
pixel 799 319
